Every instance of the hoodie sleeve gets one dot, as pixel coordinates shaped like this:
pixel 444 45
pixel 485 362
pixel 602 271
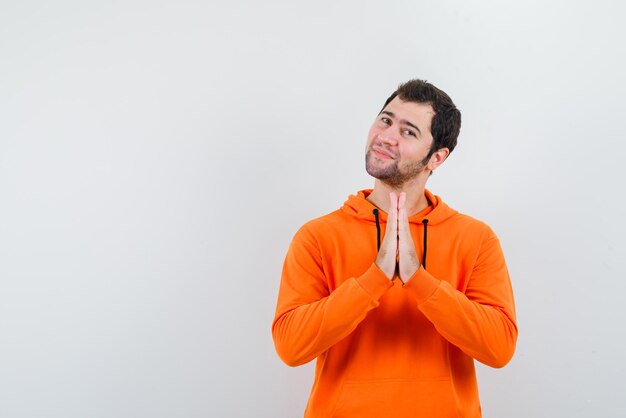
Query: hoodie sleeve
pixel 480 320
pixel 309 318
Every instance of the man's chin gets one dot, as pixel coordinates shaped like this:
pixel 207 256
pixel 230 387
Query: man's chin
pixel 377 167
pixel 382 175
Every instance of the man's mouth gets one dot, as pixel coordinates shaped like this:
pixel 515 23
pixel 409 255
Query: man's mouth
pixel 382 154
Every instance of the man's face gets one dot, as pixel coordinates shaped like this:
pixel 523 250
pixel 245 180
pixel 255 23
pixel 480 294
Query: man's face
pixel 399 142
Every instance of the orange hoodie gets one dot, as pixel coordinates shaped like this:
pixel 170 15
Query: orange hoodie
pixel 385 349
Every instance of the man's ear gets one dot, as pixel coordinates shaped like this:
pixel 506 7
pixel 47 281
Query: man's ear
pixel 438 158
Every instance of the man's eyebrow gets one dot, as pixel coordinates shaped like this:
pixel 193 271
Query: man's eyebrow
pixel 403 121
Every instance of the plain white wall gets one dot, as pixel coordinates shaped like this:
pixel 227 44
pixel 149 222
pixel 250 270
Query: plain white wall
pixel 157 157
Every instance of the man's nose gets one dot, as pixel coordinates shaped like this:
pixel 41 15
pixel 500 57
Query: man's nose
pixel 388 137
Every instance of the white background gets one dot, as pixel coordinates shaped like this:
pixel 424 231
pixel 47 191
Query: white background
pixel 157 157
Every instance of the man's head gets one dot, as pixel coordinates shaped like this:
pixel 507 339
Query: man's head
pixel 446 122
pixel 413 133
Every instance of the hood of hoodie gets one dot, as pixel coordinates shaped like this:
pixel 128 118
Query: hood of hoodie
pixel 359 207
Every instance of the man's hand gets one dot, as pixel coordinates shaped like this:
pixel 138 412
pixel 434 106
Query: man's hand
pixel 387 259
pixel 397 256
pixel 407 257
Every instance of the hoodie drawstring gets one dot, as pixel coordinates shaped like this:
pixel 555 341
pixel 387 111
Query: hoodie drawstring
pixel 375 212
pixel 424 222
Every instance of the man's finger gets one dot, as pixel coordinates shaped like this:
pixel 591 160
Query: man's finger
pixel 391 232
pixel 403 219
pixel 387 255
pixel 404 230
pixel 408 263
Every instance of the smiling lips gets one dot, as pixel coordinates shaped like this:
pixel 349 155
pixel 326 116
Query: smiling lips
pixel 382 154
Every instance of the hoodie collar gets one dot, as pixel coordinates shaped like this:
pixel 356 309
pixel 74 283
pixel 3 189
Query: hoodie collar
pixel 359 207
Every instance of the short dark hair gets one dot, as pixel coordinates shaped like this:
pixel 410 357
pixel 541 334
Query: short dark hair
pixel 446 123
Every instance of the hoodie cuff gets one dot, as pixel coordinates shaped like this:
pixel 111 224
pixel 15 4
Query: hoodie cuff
pixel 422 285
pixel 374 282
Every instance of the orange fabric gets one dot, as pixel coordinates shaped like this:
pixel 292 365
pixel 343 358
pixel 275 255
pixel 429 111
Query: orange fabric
pixel 385 349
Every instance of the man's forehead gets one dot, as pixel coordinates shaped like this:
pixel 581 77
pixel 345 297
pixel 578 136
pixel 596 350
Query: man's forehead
pixel 408 106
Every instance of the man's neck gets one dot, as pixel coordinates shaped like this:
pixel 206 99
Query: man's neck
pixel 416 200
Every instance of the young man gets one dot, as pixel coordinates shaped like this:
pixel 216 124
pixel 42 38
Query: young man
pixel 396 323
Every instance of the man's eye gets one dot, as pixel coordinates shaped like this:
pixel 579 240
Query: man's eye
pixel 409 132
pixel 386 120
